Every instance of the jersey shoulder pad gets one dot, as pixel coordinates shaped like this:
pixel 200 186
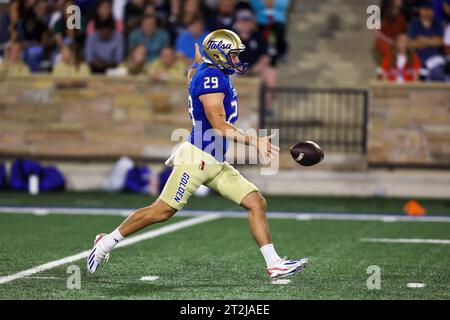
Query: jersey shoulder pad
pixel 210 80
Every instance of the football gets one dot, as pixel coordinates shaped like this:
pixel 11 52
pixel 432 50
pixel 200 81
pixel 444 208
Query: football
pixel 307 153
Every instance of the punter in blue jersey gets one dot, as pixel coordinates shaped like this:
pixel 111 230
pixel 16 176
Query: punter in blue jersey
pixel 209 80
pixel 213 108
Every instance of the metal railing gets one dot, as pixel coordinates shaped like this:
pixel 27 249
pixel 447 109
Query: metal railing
pixel 336 119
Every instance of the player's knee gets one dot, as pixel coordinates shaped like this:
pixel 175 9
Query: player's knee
pixel 164 212
pixel 164 215
pixel 263 204
pixel 259 205
pixel 156 213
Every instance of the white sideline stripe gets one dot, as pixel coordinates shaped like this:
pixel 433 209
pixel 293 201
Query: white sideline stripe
pixel 231 214
pixel 44 278
pixel 386 240
pixel 129 241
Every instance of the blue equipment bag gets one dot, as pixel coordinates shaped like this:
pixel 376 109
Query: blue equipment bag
pixel 50 178
pixel 21 169
pixel 137 179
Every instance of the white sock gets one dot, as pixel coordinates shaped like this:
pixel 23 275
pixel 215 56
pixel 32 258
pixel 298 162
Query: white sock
pixel 111 240
pixel 270 255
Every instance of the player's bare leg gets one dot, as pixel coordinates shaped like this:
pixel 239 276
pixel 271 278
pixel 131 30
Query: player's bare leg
pixel 256 207
pixel 159 211
pixel 277 267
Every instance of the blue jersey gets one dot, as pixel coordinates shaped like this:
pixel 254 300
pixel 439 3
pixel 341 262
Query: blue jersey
pixel 210 80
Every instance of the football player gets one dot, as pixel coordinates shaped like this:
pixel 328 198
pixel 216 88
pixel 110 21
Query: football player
pixel 213 108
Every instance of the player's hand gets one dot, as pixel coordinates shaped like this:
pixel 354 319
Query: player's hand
pixel 266 149
pixel 198 55
pixel 197 59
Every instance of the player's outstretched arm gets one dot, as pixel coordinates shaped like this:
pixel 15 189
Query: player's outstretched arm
pixel 197 60
pixel 215 112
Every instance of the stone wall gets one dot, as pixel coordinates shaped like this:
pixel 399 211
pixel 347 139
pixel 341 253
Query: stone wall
pixel 103 118
pixel 99 117
pixel 409 124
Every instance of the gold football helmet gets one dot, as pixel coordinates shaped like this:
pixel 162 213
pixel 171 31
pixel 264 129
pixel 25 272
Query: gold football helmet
pixel 217 47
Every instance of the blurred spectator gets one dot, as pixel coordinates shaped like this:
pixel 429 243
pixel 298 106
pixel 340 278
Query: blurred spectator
pixel 37 36
pixel 136 63
pixel 256 52
pixel 71 64
pixel 447 51
pixel 85 5
pixel 393 23
pixel 442 11
pixel 272 17
pixel 35 23
pixel 191 9
pixel 426 38
pixel 181 18
pixel 103 14
pixel 162 10
pixel 149 35
pixel 56 12
pixel 209 6
pixel 104 48
pixel 18 11
pixel 12 64
pixel 133 14
pixel 118 9
pixel 167 67
pixel 446 10
pixel 62 33
pixel 149 10
pixel 184 43
pixel 402 64
pixel 410 9
pixel 225 17
pixel 4 34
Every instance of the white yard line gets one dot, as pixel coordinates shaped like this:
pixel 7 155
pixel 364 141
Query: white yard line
pixel 149 278
pixel 420 241
pixel 129 241
pixel 231 214
pixel 416 285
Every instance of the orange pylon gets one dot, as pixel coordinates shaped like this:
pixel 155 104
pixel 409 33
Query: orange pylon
pixel 414 208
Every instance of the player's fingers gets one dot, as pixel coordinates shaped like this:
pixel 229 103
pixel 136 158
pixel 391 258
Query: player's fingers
pixel 274 147
pixel 274 154
pixel 271 137
pixel 262 157
pixel 271 153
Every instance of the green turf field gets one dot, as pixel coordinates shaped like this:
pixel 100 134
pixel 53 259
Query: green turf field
pixel 218 259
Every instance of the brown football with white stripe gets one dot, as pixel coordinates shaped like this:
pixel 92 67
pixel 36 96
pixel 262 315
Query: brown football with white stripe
pixel 307 153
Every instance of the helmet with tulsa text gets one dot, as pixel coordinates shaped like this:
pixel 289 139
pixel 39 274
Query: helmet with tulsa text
pixel 218 47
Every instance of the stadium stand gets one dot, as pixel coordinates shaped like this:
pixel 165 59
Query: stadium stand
pixel 326 63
